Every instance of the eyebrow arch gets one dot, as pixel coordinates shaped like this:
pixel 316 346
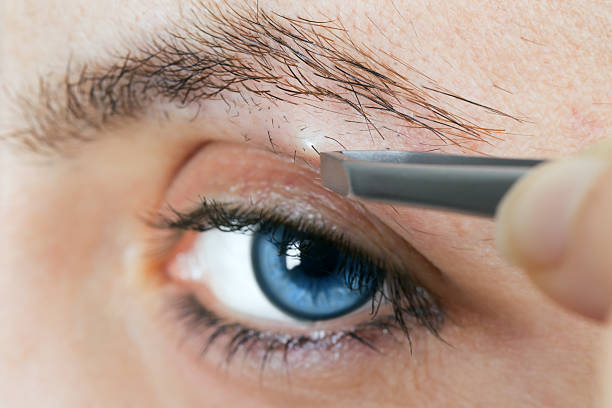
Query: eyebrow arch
pixel 221 49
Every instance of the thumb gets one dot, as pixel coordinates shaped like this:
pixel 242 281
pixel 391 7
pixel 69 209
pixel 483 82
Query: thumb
pixel 556 223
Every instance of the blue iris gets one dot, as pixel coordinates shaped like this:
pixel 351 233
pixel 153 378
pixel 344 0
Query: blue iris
pixel 309 279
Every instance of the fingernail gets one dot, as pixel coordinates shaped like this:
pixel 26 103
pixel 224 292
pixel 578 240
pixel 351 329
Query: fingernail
pixel 535 218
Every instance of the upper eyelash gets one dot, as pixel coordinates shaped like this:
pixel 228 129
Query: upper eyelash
pixel 407 298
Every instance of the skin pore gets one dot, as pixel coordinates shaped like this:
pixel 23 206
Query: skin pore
pixel 85 311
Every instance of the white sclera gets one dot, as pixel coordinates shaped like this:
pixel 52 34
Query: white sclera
pixel 222 261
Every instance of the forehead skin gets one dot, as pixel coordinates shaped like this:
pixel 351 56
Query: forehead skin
pixel 546 63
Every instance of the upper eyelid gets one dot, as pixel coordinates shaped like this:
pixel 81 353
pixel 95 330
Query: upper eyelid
pixel 290 192
pixel 234 216
pixel 181 67
pixel 224 213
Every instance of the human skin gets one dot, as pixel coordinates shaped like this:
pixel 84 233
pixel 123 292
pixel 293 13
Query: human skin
pixel 81 302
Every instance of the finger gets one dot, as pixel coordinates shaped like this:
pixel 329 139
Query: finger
pixel 556 223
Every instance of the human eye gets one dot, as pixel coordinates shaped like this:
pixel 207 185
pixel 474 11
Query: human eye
pixel 272 268
pixel 278 278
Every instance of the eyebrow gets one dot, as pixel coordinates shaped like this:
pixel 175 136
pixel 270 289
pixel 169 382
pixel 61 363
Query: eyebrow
pixel 253 53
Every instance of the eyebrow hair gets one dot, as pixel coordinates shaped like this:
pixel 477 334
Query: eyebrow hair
pixel 247 51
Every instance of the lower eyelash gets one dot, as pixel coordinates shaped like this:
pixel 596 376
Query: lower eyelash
pixel 267 345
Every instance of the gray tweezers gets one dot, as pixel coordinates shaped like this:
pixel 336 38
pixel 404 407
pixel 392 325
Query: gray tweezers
pixel 470 184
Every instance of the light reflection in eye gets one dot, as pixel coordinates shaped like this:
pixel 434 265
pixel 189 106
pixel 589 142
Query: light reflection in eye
pixel 293 257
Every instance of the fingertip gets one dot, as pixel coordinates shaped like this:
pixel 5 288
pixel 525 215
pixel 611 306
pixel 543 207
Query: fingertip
pixel 556 224
pixel 534 220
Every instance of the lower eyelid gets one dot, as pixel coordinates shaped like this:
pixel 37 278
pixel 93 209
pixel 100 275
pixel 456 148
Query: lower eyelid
pixel 225 342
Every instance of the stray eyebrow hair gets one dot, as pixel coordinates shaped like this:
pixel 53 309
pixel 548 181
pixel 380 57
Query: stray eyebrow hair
pixel 220 49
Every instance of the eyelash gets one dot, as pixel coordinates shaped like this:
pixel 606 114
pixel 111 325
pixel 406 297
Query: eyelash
pixel 411 304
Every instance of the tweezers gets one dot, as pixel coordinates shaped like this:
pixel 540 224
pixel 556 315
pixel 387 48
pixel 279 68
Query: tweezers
pixel 468 184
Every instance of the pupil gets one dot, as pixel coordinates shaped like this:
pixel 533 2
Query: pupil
pixel 319 260
pixel 308 278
